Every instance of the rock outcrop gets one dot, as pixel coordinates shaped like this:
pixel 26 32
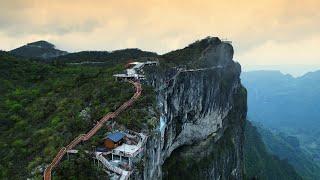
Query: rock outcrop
pixel 203 110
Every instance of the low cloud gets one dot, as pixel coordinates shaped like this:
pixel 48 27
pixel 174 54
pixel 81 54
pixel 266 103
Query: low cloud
pixel 162 25
pixel 282 53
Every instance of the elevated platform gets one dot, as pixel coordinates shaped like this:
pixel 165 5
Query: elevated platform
pixel 133 73
pixel 140 65
pixel 128 76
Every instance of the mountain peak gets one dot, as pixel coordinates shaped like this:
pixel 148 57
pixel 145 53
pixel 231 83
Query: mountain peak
pixel 38 49
pixel 41 44
pixel 205 52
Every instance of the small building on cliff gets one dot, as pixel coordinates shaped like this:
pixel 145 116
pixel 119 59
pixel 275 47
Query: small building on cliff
pixel 114 140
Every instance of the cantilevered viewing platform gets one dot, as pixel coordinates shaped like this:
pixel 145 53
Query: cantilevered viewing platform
pixel 135 72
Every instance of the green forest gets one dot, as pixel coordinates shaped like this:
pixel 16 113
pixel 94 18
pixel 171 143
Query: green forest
pixel 44 106
pixel 259 164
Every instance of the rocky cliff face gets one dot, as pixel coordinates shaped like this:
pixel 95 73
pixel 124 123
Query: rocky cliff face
pixel 203 110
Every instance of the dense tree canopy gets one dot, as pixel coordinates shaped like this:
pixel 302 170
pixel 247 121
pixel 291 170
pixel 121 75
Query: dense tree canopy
pixel 43 107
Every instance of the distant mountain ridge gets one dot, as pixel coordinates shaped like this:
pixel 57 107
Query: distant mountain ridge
pixel 278 99
pixel 259 163
pixel 287 105
pixel 39 49
pixel 114 57
pixel 288 148
pixel 47 51
pixel 296 70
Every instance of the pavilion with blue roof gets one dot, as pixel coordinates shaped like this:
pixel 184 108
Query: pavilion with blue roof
pixel 114 140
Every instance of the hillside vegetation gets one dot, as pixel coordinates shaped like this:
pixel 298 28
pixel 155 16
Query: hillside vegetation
pixel 259 164
pixel 288 106
pixel 190 55
pixel 288 147
pixel 43 107
pixel 38 50
pixel 109 58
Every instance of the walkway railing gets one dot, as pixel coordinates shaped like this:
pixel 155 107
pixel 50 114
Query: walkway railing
pixel 93 131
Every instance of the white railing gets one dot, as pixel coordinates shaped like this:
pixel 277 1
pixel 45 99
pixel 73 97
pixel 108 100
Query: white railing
pixel 124 174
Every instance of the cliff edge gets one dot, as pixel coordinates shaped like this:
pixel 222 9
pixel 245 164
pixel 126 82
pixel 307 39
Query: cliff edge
pixel 203 110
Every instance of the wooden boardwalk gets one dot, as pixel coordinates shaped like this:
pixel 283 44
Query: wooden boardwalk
pixel 93 131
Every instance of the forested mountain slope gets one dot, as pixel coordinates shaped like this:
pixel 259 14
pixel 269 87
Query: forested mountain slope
pixel 43 107
pixel 287 105
pixel 259 163
pixel 110 58
pixel 288 147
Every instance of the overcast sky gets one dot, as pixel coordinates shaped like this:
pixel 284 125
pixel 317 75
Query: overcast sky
pixel 264 32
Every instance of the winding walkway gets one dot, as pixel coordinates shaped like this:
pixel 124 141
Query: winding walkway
pixel 124 175
pixel 93 131
pixel 182 70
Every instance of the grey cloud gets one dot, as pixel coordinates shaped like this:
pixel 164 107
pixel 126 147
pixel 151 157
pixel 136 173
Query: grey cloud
pixel 53 28
pixel 20 17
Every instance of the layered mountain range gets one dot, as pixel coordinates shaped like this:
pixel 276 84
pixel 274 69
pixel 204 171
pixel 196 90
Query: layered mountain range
pixel 287 109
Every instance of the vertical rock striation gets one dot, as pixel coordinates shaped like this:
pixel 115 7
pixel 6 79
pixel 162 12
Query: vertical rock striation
pixel 203 110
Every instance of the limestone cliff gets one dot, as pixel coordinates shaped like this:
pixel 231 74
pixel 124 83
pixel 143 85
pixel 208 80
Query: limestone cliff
pixel 203 109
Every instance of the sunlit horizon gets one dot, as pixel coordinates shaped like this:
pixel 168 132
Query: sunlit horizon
pixel 267 32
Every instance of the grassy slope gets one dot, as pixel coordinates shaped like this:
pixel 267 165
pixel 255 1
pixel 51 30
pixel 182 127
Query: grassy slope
pixel 40 110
